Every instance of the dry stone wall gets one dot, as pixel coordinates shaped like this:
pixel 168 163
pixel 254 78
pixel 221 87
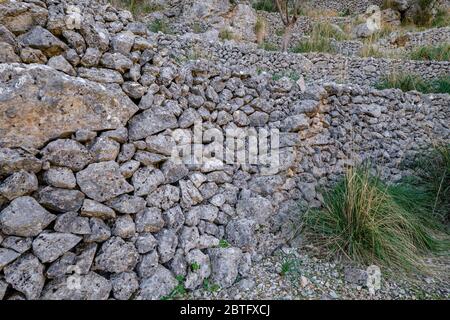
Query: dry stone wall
pixel 94 205
pixel 315 67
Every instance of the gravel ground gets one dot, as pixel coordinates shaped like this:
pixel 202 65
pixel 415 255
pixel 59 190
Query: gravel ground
pixel 309 277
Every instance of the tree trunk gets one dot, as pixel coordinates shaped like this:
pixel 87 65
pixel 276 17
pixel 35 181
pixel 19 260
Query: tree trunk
pixel 287 36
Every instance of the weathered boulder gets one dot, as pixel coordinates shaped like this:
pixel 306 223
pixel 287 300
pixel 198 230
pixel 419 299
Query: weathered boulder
pixel 19 17
pixel 26 275
pixel 24 217
pixel 38 105
pixel 14 160
pixel 116 256
pixel 42 39
pixel 85 287
pixel 160 284
pixel 224 265
pixel 50 246
pixel 103 181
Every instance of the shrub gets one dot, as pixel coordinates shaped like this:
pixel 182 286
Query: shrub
pixel 268 46
pixel 226 34
pixel 314 45
pixel 160 26
pixel 409 82
pixel 137 7
pixel 441 19
pixel 433 176
pixel 265 5
pixel 437 53
pixel 373 223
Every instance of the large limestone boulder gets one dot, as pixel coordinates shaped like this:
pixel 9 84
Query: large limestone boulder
pixel 38 104
pixel 19 17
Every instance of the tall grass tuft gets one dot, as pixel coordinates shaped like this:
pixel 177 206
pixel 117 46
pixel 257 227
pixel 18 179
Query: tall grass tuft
pixel 265 5
pixel 409 82
pixel 433 176
pixel 436 53
pixel 373 223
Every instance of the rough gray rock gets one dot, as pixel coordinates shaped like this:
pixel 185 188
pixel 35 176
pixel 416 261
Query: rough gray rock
pixel 145 243
pixel 70 222
pixel 42 39
pixel 165 197
pixel 43 116
pixel 7 256
pixel 241 232
pixel 151 121
pixel 60 177
pixel 60 200
pixel 160 284
pixel 50 246
pixel 18 184
pixel 14 160
pixel 100 232
pixel 85 287
pixel 24 217
pixel 61 64
pixel 17 244
pixel 127 204
pixel 146 180
pixel 104 149
pixel 94 209
pixel 26 275
pixel 148 264
pixel 67 153
pixel 19 17
pixel 167 244
pixel 202 269
pixel 103 181
pixel 124 227
pixel 116 256
pixel 224 265
pixel 149 220
pixel 124 285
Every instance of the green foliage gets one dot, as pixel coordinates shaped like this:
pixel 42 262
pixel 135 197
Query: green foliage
pixel 373 223
pixel 320 39
pixel 409 82
pixel 178 292
pixel 265 5
pixel 160 25
pixel 137 7
pixel 432 172
pixel 195 266
pixel 293 75
pixel 436 53
pixel 441 19
pixel 224 243
pixel 210 287
pixel 226 34
pixel 314 45
pixel 268 46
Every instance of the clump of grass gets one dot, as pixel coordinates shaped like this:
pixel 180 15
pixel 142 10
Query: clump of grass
pixel 195 267
pixel 294 76
pixel 137 7
pixel 437 53
pixel 268 46
pixel 160 25
pixel 314 45
pixel 226 34
pixel 260 29
pixel 224 243
pixel 265 5
pixel 370 50
pixel 409 82
pixel 373 223
pixel 433 176
pixel 178 292
pixel 320 39
pixel 441 19
pixel 210 287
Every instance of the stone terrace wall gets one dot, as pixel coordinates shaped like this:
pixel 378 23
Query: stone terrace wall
pixel 87 185
pixel 353 6
pixel 314 66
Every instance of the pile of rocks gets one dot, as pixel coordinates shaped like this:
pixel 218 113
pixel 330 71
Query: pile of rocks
pixel 93 204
